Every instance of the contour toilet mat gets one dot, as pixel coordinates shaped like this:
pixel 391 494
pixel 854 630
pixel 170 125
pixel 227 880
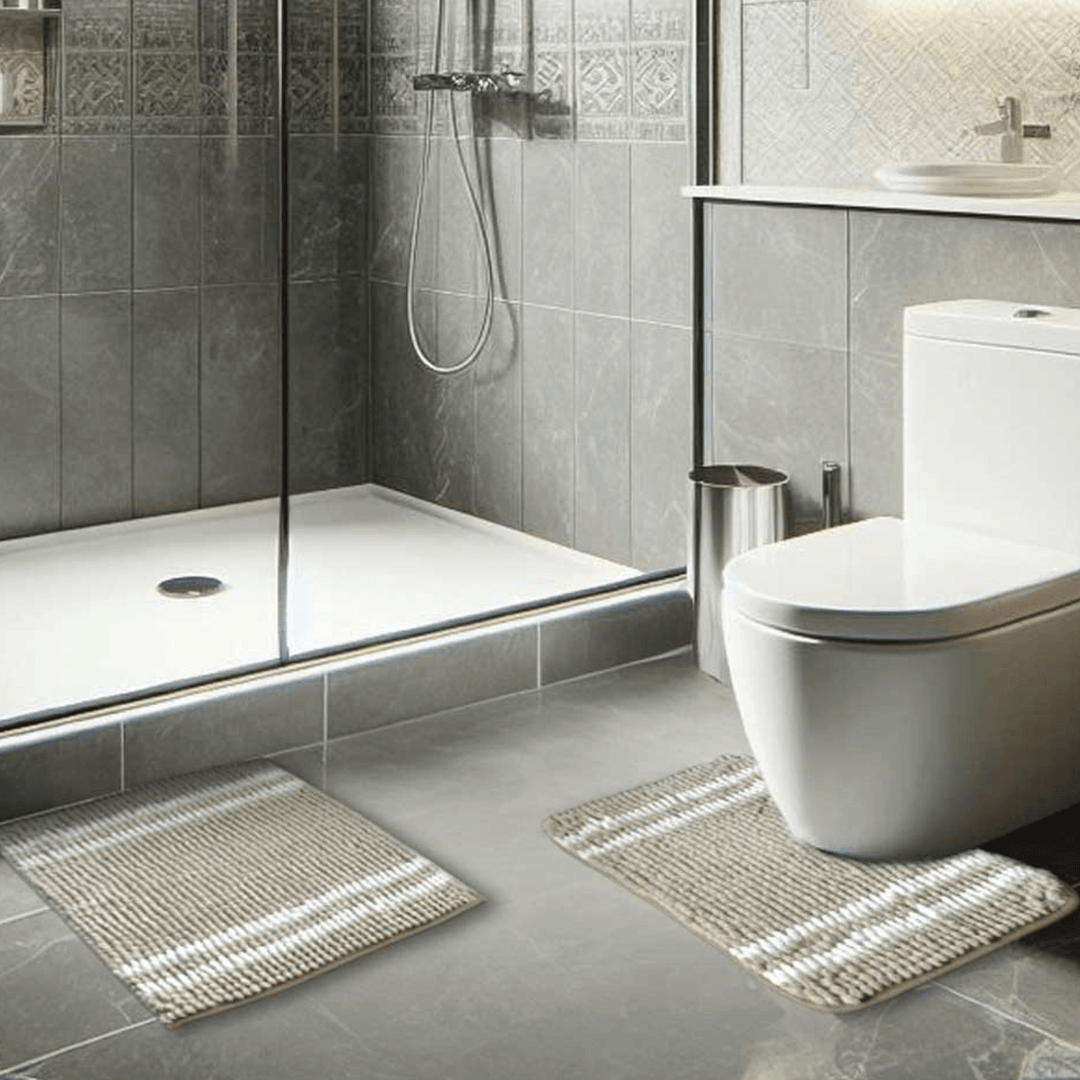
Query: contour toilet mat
pixel 708 847
pixel 219 887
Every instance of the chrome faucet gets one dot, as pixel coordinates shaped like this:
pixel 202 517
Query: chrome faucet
pixel 1012 129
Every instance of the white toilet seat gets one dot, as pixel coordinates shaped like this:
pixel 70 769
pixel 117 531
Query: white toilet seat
pixel 888 579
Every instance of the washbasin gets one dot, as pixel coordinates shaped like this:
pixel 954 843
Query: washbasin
pixel 970 178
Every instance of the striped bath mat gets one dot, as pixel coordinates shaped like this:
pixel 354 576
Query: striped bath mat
pixel 212 889
pixel 708 846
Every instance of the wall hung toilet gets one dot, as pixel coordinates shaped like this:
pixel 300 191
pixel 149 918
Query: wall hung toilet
pixel 911 687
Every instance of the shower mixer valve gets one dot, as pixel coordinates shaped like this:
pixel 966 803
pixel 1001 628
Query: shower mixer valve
pixel 473 82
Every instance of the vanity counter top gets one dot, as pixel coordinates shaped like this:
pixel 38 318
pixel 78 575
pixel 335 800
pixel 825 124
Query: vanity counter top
pixel 1063 206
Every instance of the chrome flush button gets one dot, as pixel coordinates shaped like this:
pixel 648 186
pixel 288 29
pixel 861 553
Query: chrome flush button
pixel 1030 313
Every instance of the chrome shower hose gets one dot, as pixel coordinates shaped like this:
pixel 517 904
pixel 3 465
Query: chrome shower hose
pixel 479 222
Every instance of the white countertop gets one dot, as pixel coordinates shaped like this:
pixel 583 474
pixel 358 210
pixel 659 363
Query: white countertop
pixel 1064 206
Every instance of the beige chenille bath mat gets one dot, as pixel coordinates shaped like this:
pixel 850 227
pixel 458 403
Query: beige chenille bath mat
pixel 213 889
pixel 708 846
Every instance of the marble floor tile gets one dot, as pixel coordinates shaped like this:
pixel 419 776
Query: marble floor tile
pixel 16 897
pixel 561 973
pixel 54 991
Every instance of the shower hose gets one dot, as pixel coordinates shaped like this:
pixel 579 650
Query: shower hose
pixel 479 222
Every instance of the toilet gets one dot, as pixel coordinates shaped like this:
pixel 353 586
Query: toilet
pixel 910 686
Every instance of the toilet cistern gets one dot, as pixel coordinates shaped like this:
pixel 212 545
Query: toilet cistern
pixel 1012 129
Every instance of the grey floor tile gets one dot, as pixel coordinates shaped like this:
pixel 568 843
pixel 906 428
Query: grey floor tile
pixel 55 991
pixel 309 763
pixel 561 973
pixel 138 1053
pixel 1036 979
pixel 16 897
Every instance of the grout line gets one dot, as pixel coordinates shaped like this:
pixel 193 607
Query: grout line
pixel 76 1046
pixel 8 920
pixel 999 1012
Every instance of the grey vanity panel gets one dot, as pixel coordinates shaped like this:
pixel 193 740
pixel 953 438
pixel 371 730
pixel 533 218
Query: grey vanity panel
pixel 779 273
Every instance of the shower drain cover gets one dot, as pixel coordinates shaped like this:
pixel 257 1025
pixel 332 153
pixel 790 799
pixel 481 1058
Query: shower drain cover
pixel 190 585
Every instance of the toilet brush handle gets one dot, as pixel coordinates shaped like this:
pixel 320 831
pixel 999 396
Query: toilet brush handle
pixel 831 509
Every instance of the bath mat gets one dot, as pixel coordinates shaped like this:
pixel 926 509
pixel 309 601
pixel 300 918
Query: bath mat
pixel 219 887
pixel 708 846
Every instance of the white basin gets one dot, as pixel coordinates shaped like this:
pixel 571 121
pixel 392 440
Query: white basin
pixel 970 178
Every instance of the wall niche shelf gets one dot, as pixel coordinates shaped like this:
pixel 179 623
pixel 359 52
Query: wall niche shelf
pixel 24 63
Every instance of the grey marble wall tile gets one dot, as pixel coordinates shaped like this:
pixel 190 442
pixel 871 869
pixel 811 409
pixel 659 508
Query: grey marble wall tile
pixel 95 361
pixel 548 222
pixel 97 98
pixel 500 163
pixel 237 97
pixel 66 768
pixel 497 387
pixel 254 22
pixel 395 172
pixel 548 424
pixel 602 77
pixel 238 68
pixel 444 420
pixel 602 228
pixel 592 641
pixel 782 406
pixel 240 393
pixel 495 171
pixel 328 384
pixel 393 27
pixel 396 406
pixel 165 36
pixel 424 424
pixel 659 64
pixel 430 680
pixel 97 67
pixel 95 221
pixel 552 67
pixel 239 210
pixel 248 724
pixel 877 481
pixel 661 422
pixel 29 215
pixel 165 387
pixel 30 415
pixel 166 225
pixel 310 74
pixel 659 78
pixel 780 273
pixel 328 206
pixel 903 259
pixel 661 272
pixel 602 436
pixel 458 266
pixel 396 109
pixel 166 93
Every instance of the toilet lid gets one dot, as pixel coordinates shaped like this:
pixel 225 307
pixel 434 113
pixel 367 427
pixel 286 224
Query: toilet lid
pixel 889 579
